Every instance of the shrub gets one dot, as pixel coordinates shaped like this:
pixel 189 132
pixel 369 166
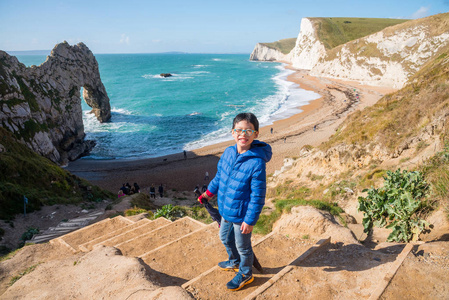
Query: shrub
pixel 396 205
pixel 169 212
pixel 134 211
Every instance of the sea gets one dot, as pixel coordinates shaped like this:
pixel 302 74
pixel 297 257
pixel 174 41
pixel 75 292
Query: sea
pixel 154 116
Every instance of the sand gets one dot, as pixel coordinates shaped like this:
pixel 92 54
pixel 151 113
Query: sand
pixel 339 98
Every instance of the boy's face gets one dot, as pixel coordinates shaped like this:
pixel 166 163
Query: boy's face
pixel 242 140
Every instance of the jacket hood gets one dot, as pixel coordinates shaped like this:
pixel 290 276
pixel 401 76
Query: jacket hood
pixel 260 149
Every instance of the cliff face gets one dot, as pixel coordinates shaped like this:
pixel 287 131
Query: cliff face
pixel 388 57
pixel 308 49
pixel 42 105
pixel 264 53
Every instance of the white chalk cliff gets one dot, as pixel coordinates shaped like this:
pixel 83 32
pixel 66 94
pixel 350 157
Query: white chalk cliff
pixel 389 57
pixel 265 53
pixel 41 105
pixel 308 49
pixel 386 58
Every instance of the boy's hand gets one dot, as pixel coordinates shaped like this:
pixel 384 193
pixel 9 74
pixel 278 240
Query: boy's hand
pixel 245 228
pixel 205 197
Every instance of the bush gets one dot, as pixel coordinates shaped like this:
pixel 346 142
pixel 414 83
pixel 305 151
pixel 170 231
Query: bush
pixel 169 212
pixel 134 211
pixel 396 205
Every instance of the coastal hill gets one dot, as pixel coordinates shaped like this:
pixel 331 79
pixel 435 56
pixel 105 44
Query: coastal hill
pixel 384 58
pixel 313 197
pixel 331 32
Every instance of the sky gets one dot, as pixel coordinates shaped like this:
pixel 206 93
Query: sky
pixel 194 26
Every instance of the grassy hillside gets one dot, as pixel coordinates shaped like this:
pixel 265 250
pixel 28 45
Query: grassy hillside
pixel 403 114
pixel 285 45
pixel 25 173
pixel 337 31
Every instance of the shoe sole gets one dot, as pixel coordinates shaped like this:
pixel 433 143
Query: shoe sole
pixel 229 269
pixel 243 284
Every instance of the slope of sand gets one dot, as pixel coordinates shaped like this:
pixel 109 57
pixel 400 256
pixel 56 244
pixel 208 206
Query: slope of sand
pixel 288 137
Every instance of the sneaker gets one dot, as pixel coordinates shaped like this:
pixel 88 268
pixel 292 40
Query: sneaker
pixel 226 266
pixel 239 281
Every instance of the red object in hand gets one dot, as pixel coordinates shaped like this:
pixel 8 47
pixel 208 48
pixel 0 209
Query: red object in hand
pixel 205 197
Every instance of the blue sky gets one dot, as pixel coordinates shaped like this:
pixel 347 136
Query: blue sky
pixel 196 26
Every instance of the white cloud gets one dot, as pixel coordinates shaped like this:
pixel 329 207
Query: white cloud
pixel 124 39
pixel 420 13
pixel 156 41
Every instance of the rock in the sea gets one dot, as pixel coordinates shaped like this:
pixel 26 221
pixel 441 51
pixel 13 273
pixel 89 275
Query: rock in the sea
pixel 42 105
pixel 166 75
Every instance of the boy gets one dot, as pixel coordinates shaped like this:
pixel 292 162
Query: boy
pixel 240 185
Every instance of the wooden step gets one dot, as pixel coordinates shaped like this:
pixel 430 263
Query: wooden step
pixel 188 256
pixel 85 234
pixel 337 272
pixel 158 237
pixel 108 235
pixel 274 252
pixel 136 232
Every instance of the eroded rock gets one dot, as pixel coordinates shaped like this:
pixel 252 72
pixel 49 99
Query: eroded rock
pixel 42 105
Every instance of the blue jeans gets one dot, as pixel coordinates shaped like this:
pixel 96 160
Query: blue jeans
pixel 238 246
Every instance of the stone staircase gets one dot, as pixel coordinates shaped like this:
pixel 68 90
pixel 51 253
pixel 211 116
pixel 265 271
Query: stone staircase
pixel 186 252
pixel 65 227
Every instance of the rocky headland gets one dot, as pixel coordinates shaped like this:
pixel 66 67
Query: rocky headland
pixel 41 105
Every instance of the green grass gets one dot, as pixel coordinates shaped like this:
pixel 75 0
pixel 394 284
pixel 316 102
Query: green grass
pixel 25 173
pixel 403 114
pixel 285 45
pixel 333 32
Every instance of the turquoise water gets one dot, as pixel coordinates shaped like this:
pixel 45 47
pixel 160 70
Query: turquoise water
pixel 154 116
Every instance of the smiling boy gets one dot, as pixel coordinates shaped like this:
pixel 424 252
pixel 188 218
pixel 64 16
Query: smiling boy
pixel 240 186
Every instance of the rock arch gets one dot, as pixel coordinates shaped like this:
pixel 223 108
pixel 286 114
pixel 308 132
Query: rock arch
pixel 41 105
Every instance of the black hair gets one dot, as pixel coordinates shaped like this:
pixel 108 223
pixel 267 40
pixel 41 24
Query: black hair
pixel 248 117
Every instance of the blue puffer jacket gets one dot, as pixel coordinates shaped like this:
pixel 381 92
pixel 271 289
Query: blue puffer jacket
pixel 240 183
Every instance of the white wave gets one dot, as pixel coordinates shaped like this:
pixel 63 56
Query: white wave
pixel 217 59
pixel 121 111
pixel 195 113
pixel 200 66
pixel 199 72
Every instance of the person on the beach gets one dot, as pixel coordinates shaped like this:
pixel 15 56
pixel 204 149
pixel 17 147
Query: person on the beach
pixel 161 190
pixel 152 191
pixel 206 176
pixel 240 186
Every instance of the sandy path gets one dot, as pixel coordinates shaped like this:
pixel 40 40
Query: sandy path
pixel 174 172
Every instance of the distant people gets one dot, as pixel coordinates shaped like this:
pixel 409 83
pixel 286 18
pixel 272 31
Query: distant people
pixel 124 189
pixel 161 190
pixel 120 193
pixel 197 191
pixel 206 176
pixel 152 191
pixel 136 188
pixel 285 139
pixel 314 127
pixel 185 154
pixel 204 188
pixel 271 130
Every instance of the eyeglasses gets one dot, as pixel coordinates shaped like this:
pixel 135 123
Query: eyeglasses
pixel 247 132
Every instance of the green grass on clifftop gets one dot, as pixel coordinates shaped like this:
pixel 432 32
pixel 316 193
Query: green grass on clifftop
pixel 285 45
pixel 25 173
pixel 337 31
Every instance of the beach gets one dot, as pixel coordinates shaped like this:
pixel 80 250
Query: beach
pixel 315 124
